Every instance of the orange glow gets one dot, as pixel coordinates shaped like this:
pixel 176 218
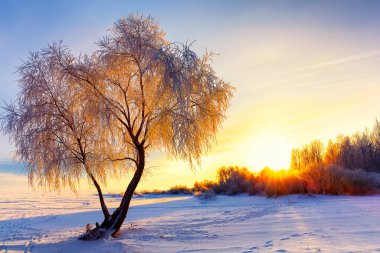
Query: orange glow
pixel 277 174
pixel 271 150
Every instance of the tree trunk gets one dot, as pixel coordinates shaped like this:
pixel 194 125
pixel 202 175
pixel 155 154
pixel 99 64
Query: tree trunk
pixel 101 199
pixel 112 223
pixel 100 193
pixel 121 213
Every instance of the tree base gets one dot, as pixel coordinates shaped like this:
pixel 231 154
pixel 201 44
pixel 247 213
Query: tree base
pixel 92 233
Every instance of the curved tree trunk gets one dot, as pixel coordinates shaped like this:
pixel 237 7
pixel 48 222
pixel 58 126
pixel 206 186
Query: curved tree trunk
pixel 112 223
pixel 101 198
pixel 121 213
pixel 100 193
pixel 97 186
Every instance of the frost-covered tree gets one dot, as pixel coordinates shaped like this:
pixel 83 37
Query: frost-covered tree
pixel 296 159
pixel 375 140
pixel 358 151
pixel 137 93
pixel 311 153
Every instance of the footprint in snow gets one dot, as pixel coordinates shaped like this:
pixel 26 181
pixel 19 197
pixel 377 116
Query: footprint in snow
pixel 281 250
pixel 268 244
pixel 167 236
pixel 285 238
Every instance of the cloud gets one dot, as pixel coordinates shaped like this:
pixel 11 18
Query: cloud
pixel 336 62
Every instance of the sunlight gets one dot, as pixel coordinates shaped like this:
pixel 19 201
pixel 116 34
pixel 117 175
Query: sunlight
pixel 270 150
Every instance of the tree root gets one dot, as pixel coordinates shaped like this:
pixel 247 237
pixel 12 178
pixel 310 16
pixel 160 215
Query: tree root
pixel 92 233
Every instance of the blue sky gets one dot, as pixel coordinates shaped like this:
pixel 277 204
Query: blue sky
pixel 303 69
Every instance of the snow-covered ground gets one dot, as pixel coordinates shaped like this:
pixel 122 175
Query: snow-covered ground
pixel 187 224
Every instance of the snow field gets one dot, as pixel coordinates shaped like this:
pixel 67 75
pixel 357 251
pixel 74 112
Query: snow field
pixel 186 224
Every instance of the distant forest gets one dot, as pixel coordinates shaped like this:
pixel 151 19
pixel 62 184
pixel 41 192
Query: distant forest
pixel 346 165
pixel 358 151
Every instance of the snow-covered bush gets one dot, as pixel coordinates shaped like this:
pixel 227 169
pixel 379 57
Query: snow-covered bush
pixel 324 179
pixel 234 180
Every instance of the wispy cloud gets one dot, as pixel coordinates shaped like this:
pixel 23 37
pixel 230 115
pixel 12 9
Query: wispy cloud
pixel 339 61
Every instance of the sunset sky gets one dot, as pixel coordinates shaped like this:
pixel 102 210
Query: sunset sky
pixel 303 70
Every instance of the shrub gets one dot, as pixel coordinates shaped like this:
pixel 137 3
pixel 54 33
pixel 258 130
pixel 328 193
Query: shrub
pixel 276 183
pixel 359 182
pixel 204 186
pixel 234 180
pixel 153 192
pixel 322 179
pixel 206 195
pixel 179 189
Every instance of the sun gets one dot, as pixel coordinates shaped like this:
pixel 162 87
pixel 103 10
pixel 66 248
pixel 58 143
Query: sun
pixel 268 150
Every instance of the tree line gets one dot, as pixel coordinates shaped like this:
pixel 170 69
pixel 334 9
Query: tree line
pixel 358 151
pixel 233 180
pixel 350 164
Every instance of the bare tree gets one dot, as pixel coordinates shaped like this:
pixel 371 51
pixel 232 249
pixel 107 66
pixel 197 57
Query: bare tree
pixel 358 151
pixel 332 153
pixel 375 140
pixel 309 154
pixel 316 150
pixel 138 92
pixel 363 150
pixel 296 159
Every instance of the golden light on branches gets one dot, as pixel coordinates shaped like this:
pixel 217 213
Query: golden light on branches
pixel 98 115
